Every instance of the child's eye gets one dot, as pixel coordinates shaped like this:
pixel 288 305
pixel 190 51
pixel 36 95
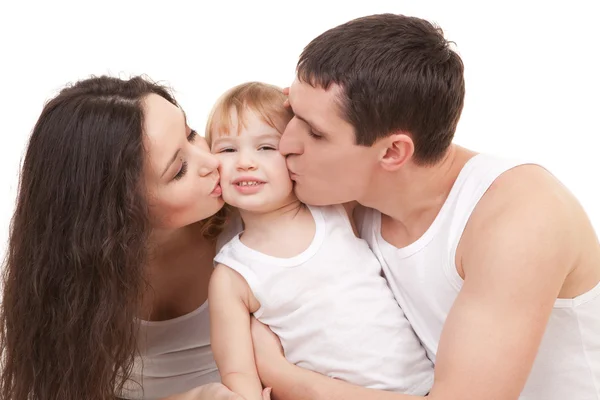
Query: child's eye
pixel 227 150
pixel 192 136
pixel 267 147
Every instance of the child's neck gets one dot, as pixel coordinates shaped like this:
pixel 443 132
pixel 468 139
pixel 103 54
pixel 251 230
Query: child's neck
pixel 271 224
pixel 283 232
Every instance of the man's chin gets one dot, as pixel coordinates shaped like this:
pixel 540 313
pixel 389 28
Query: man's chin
pixel 311 197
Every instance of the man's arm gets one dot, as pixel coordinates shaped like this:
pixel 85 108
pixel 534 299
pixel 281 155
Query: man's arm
pixel 518 249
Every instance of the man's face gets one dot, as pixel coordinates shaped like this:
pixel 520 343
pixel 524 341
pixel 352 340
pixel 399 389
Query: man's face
pixel 323 160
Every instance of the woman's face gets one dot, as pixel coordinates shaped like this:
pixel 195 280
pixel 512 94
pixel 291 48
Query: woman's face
pixel 182 179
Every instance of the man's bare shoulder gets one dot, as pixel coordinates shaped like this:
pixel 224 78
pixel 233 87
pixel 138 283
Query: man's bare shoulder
pixel 527 204
pixel 528 188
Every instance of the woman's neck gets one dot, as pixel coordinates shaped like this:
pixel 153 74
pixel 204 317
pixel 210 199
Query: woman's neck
pixel 178 271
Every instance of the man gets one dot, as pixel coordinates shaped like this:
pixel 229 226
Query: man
pixel 495 264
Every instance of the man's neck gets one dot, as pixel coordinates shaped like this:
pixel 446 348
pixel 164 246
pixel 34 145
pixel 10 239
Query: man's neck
pixel 413 196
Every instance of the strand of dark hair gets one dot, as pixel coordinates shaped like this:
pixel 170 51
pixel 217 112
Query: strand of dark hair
pixel 74 269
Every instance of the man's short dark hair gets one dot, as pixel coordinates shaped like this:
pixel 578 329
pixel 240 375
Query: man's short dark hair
pixel 397 73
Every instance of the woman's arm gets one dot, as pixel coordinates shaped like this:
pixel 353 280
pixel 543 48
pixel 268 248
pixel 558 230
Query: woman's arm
pixel 212 391
pixel 231 302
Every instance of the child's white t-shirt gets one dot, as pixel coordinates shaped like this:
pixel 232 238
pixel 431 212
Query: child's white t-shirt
pixel 333 310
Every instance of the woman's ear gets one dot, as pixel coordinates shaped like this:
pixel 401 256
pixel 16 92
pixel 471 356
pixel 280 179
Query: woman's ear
pixel 397 150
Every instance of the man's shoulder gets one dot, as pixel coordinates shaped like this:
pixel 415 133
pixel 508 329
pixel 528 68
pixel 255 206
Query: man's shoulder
pixel 522 187
pixel 523 202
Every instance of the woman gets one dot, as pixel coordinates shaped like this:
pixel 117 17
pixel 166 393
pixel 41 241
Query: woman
pixel 110 251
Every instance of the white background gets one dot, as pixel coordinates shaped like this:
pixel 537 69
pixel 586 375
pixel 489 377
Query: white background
pixel 532 67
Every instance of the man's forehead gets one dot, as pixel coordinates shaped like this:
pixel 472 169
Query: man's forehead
pixel 314 98
pixel 305 87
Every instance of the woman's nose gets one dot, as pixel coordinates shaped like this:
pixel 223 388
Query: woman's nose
pixel 208 164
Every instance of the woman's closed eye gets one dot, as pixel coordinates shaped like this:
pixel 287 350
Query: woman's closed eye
pixel 182 171
pixel 184 165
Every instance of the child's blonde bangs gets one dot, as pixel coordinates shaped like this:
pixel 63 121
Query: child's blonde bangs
pixel 263 99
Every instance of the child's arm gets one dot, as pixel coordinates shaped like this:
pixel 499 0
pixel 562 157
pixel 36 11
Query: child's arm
pixel 230 303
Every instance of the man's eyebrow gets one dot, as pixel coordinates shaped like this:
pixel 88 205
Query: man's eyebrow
pixel 306 121
pixel 178 150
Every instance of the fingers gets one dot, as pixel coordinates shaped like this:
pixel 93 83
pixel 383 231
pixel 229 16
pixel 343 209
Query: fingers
pixel 286 91
pixel 266 394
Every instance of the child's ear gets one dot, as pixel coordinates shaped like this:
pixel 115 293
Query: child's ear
pixel 397 150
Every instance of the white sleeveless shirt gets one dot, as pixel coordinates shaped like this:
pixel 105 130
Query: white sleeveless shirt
pixel 332 309
pixel 175 355
pixel 425 282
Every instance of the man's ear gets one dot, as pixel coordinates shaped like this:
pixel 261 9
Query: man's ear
pixel 397 149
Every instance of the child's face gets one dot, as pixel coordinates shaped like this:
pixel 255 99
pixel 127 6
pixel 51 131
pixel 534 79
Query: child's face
pixel 254 175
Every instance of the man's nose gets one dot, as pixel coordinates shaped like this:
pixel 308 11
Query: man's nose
pixel 290 143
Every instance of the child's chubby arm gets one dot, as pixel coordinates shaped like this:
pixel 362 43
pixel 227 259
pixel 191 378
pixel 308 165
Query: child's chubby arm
pixel 230 303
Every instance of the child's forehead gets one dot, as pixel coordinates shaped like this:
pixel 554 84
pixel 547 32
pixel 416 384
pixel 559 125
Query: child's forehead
pixel 246 122
pixel 264 131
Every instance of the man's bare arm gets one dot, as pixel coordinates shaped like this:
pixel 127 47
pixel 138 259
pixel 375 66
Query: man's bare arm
pixel 514 267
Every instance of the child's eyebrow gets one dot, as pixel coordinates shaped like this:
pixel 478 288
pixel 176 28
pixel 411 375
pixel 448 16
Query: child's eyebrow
pixel 221 139
pixel 229 139
pixel 276 136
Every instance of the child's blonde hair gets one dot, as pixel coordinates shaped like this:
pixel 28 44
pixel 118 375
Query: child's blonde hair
pixel 263 99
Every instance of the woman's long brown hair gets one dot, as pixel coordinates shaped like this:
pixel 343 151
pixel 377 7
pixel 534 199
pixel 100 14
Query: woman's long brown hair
pixel 74 269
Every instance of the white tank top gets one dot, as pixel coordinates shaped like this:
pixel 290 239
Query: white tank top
pixel 425 281
pixel 332 309
pixel 175 354
pixel 176 357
